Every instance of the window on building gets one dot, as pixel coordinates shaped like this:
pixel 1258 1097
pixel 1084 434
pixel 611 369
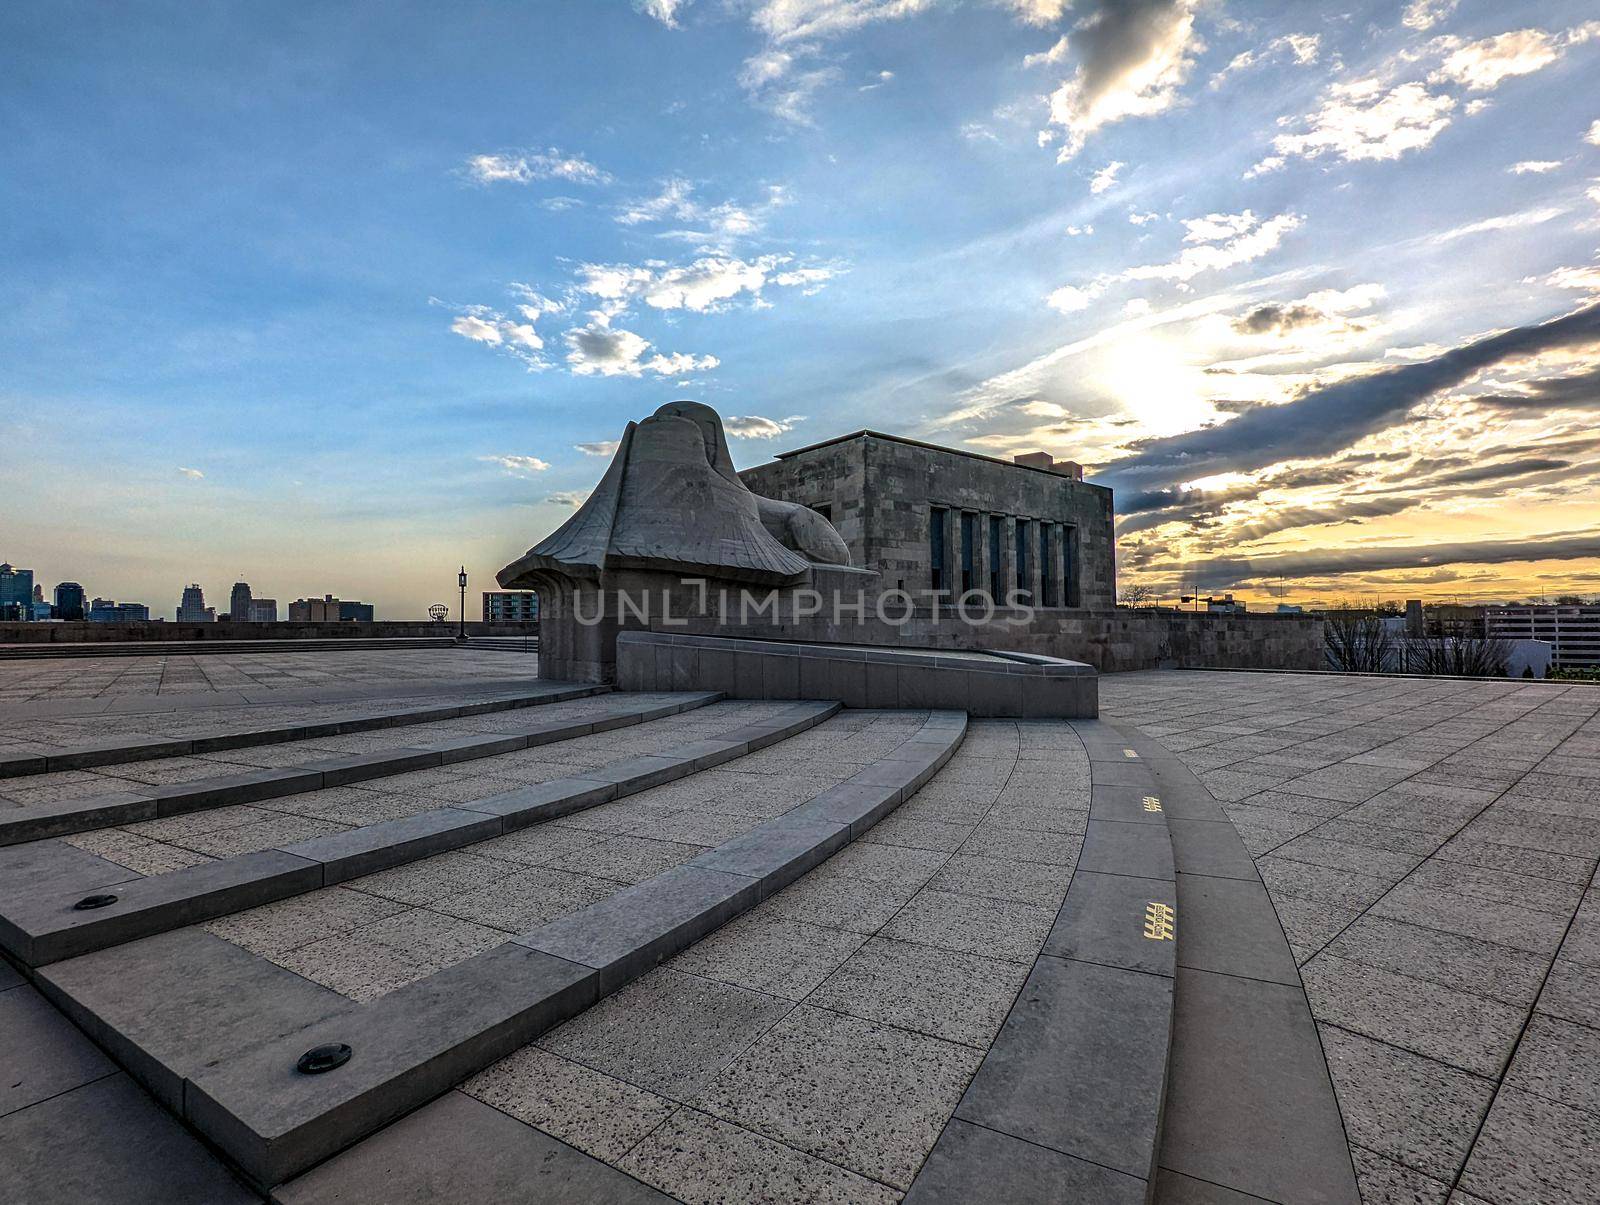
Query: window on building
pixel 996 529
pixel 936 551
pixel 825 509
pixel 1047 563
pixel 1024 534
pixel 969 551
pixel 1069 567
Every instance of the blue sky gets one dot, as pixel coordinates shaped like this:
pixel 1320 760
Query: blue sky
pixel 333 296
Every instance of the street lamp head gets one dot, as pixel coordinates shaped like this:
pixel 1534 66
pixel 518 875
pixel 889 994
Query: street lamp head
pixel 461 580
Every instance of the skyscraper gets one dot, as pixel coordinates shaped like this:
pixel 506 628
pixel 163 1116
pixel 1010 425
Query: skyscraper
pixel 69 601
pixel 193 608
pixel 239 602
pixel 16 593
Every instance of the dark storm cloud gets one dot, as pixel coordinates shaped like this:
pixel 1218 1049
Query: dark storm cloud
pixel 1328 419
pixel 1116 36
pixel 1581 390
pixel 1275 319
pixel 1567 546
pixel 1496 472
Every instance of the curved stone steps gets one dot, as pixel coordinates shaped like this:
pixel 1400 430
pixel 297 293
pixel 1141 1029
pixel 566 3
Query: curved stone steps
pixel 44 925
pixel 120 751
pixel 1068 1102
pixel 140 802
pixel 1250 1108
pixel 206 1025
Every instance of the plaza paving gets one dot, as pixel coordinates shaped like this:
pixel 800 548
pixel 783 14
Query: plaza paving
pixel 1428 848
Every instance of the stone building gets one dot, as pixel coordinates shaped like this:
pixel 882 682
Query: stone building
pixel 929 518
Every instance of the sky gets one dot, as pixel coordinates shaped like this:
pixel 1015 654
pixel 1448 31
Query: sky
pixel 336 298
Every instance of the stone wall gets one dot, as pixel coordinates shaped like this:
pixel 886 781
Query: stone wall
pixel 1110 640
pixel 79 633
pixel 878 491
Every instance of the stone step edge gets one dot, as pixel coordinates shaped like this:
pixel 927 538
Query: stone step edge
pixel 85 757
pixel 38 822
pixel 185 648
pixel 47 928
pixel 422 1039
pixel 1332 1177
pixel 1072 1092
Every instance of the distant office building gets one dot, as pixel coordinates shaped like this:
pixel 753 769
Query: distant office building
pixel 16 593
pixel 329 609
pixel 1226 605
pixel 193 608
pixel 263 610
pixel 239 602
pixel 104 610
pixel 1573 632
pixel 69 601
pixel 1416 622
pixel 510 606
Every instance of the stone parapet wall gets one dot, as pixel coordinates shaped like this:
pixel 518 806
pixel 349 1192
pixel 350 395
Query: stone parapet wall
pixel 1110 640
pixel 74 632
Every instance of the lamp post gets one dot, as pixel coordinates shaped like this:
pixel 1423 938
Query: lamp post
pixel 461 580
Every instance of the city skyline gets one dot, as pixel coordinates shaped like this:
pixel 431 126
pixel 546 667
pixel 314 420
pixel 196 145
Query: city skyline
pixel 359 298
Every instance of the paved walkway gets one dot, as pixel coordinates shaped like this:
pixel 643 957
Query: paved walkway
pixel 100 677
pixel 1430 847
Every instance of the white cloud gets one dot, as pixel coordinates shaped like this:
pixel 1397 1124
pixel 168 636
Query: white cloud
pixel 1069 300
pixel 1218 241
pixel 1077 231
pixel 192 474
pixel 525 167
pixel 1425 14
pixel 1536 166
pixel 1586 278
pixel 804 20
pixel 1485 64
pixel 517 466
pixel 1106 177
pixel 1507 221
pixel 723 222
pixel 1361 120
pixel 1303 48
pixel 572 498
pixel 469 326
pixel 1055 54
pixel 665 11
pixel 1133 56
pixel 604 447
pixel 878 81
pixel 1593 136
pixel 754 426
pixel 492 328
pixel 1038 12
pixel 599 349
pixel 707 285
pixel 1143 219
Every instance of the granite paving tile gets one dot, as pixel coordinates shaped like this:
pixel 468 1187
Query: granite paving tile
pixel 1411 1109
pixel 769 953
pixel 1534 1150
pixel 1559 1061
pixel 1448 959
pixel 703 1160
pixel 583 1107
pixel 1507 924
pixel 854 1092
pixel 939 992
pixel 668 1033
pixel 1452 1026
pixel 973 924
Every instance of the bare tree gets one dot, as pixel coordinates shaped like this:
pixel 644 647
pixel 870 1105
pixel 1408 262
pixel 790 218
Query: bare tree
pixel 1460 656
pixel 1138 596
pixel 1357 641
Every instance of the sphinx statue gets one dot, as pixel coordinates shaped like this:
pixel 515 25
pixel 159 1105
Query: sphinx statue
pixel 670 508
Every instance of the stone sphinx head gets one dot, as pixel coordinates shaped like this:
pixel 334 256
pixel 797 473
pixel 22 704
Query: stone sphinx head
pixel 672 501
